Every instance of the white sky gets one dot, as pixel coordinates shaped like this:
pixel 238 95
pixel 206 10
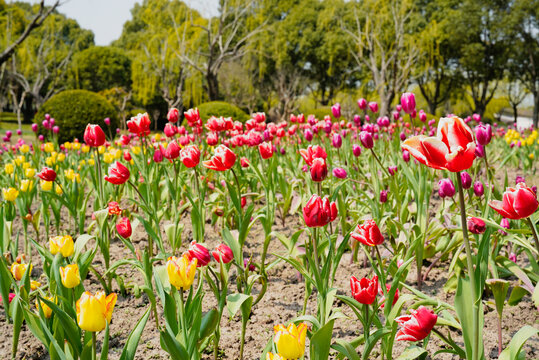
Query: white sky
pixel 106 17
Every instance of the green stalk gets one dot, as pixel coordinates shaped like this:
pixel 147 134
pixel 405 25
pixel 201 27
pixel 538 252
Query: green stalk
pixel 534 232
pixel 182 319
pixel 99 178
pixel 94 350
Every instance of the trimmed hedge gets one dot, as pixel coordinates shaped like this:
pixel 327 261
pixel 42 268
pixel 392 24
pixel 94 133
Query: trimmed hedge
pixel 73 109
pixel 221 108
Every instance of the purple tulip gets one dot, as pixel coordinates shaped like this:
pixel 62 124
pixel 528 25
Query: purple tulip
pixel 9 133
pixel 35 127
pixel 336 110
pixel 367 118
pixel 52 121
pixel 479 151
pixel 283 150
pixel 476 117
pixel 308 134
pixel 19 132
pixel 339 173
pixel 513 257
pixel 518 179
pixel 398 107
pixel 446 188
pixel 41 138
pixel 373 106
pixel 392 170
pixel 406 155
pixel 45 124
pixel 328 127
pixel 408 102
pixel 362 104
pixel 422 116
pixel 366 139
pixel 357 120
pixel 383 196
pixel 336 141
pixel 47 117
pixel 107 121
pixel 466 180
pixel 305 168
pixel 356 150
pixel 478 188
pixel 117 130
pixel 505 224
pixel 55 129
pixel 483 134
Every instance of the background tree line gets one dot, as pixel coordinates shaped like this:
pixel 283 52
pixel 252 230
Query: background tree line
pixel 461 56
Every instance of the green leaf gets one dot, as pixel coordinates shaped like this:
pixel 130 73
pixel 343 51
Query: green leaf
pixel 130 347
pixel 346 349
pixel 209 322
pixel 499 289
pixel 105 346
pixel 235 301
pixel 80 243
pixel 517 294
pixel 372 340
pixel 321 342
pixel 413 352
pixel 512 352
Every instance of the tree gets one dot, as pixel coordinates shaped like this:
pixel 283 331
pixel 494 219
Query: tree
pixel 383 45
pixel 99 68
pixel 37 20
pixel 516 93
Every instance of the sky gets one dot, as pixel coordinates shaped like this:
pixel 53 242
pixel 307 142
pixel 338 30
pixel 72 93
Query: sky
pixel 106 17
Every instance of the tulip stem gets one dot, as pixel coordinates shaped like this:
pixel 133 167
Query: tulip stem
pixel 534 232
pixel 379 162
pixel 366 330
pixel 94 350
pixel 182 319
pixel 99 177
pixel 469 264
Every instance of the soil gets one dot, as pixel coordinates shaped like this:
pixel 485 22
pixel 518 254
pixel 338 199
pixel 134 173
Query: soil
pixel 282 302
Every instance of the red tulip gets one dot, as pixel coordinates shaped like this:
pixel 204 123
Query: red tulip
pixel 212 139
pixel 114 208
pixel 118 174
pixel 47 174
pixel 190 156
pixel 127 156
pixel 381 293
pixel 417 326
pixel 266 150
pixel 222 160
pixel 124 228
pixel 368 233
pixel 219 124
pixel 313 152
pixel 139 125
pixel 408 102
pixel 244 162
pixel 452 149
pixel 193 117
pixel 172 151
pixel 319 169
pixel 518 203
pixel 319 212
pixel 364 290
pixel 223 252
pixel 476 225
pixel 124 140
pixel 170 130
pixel 173 115
pixel 200 252
pixel 94 135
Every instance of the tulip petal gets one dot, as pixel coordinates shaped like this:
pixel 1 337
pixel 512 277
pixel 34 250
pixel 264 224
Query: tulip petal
pixel 454 132
pixel 435 152
pixel 497 205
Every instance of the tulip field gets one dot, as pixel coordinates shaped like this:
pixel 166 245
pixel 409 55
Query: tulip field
pixel 372 237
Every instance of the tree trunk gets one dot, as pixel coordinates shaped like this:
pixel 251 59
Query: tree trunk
pixel 515 113
pixel 432 107
pixel 535 109
pixel 213 86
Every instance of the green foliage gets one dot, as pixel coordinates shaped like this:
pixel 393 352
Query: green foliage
pixel 8 116
pixel 101 67
pixel 73 109
pixel 319 113
pixel 221 108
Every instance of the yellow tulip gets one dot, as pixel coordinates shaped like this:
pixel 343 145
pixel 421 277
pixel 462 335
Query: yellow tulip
pixel 46 309
pixel 70 275
pixel 30 172
pixel 24 148
pixel 18 270
pixel 85 148
pixel 136 150
pixel 531 156
pixel 26 165
pixel 61 157
pixel 157 137
pixel 108 158
pixel 101 149
pixel 76 146
pixel 290 341
pixel 91 162
pixel 58 190
pixel 34 285
pixel 19 160
pixel 271 356
pixel 181 271
pixel 45 185
pixel 61 244
pixel 9 168
pixel 94 311
pixel 26 185
pixel 48 147
pixel 10 194
pixel 67 145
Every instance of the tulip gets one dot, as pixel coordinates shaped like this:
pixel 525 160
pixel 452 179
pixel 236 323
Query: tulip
pixel 366 139
pixel 114 208
pixel 190 156
pixel 124 228
pixel 47 174
pixel 476 225
pixel 518 203
pixel 406 155
pixel 18 270
pixel 222 160
pixel 336 110
pixel 70 275
pixel 362 104
pixel 478 189
pixel 408 102
pixel 483 134
pixel 290 340
pixel 308 134
pixel 266 150
pixel 10 194
pixel 479 151
pixel 312 152
pixel 223 253
pixel 173 115
pixel 199 252
pixel 357 120
pixel 181 271
pixel 417 326
pixel 61 244
pixel 388 288
pixel 139 125
pixel 368 233
pixel 339 173
pixel 373 106
pixel 193 117
pixel 107 121
pixel 505 224
pixel 383 196
pixel 117 174
pixel 95 311
pixel 336 141
pixel 446 188
pixel 422 116
pixel 158 155
pixel 319 170
pixel 356 150
pixel 452 149
pixel 172 151
pixel 244 162
pixel 170 130
pixel 466 180
pixel 476 117
pixel 35 127
pixel 364 290
pixel 47 311
pixel 319 212
pixel 513 257
pixel 392 170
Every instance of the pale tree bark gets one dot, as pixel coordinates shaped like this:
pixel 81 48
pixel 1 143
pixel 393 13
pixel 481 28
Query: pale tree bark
pixel 225 41
pixel 288 87
pixel 516 93
pixel 36 21
pixel 390 62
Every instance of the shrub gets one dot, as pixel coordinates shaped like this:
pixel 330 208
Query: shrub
pixel 221 108
pixel 319 113
pixel 73 109
pixel 8 117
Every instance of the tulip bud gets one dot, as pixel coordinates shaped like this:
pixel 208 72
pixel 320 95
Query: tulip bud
pixel 244 162
pixel 34 127
pixel 362 104
pixel 223 253
pixel 383 196
pixel 505 224
pixel 483 134
pixel 336 110
pixel 520 179
pixel 308 134
pixel 476 117
pixel 479 151
pixel 422 116
pixel 408 102
pixel 336 141
pixel 366 139
pixel 476 225
pixel 319 169
pixel 70 275
pixel 446 188
pixel 107 121
pixel 339 173
pixel 392 170
pixel 357 120
pixel 373 106
pixel 173 115
pixel 478 189
pixel 124 228
pixel 199 252
pixel 356 150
